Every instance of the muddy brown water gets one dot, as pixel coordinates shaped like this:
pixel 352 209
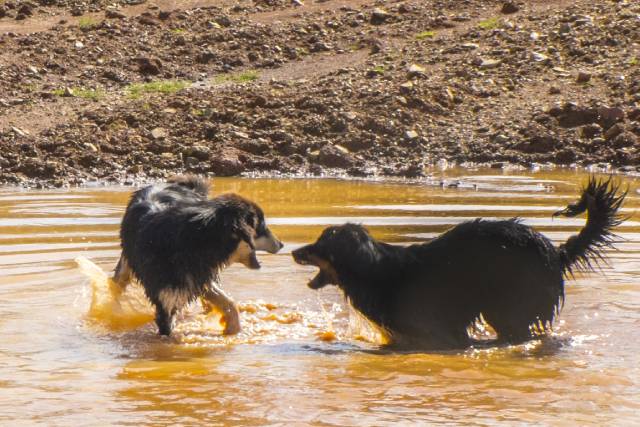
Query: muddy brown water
pixel 71 355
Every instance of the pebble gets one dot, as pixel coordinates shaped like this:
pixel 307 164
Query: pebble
pixel 159 133
pixel 583 77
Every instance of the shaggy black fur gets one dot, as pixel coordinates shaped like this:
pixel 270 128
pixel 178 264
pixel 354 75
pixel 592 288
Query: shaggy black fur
pixel 175 241
pixel 428 295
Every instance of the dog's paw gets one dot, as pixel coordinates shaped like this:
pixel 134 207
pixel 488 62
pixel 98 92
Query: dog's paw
pixel 231 322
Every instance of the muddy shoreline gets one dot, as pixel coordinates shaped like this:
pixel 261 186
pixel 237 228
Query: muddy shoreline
pixel 318 88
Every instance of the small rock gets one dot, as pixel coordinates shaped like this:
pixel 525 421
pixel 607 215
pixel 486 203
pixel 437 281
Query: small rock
pixel 18 131
pixel 488 64
pixel 411 134
pixel 625 139
pixel 565 28
pixel 114 14
pixel 416 70
pixel 614 131
pixel 591 130
pixel 469 46
pixel 554 90
pixel 79 45
pixel 332 157
pixel 239 134
pixel 509 7
pixel 26 10
pixel 611 114
pixel 68 92
pixel 149 65
pixel 406 87
pixel 379 16
pixel 539 57
pixel 583 77
pixel 159 133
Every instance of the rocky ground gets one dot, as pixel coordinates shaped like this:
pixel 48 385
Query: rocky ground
pixel 132 90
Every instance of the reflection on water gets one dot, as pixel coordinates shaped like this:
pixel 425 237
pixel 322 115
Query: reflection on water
pixel 71 353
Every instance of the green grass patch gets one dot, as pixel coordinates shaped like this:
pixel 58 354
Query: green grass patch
pixel 86 23
pixel 178 30
pixel 634 61
pixel 425 35
pixel 80 92
pixel 243 77
pixel 136 90
pixel 489 24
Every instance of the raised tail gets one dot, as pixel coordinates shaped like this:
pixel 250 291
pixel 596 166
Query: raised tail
pixel 601 199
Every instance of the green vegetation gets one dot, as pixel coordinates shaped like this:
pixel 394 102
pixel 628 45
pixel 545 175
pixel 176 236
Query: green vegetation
pixel 243 77
pixel 136 90
pixel 178 30
pixel 80 92
pixel 634 61
pixel 378 69
pixel 425 35
pixel 489 24
pixel 87 22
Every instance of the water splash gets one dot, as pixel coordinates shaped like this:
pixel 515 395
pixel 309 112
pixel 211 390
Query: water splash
pixel 111 308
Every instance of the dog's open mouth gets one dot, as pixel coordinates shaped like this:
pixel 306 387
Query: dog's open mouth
pixel 320 280
pixel 325 276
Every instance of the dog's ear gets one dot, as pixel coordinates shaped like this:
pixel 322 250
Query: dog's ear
pixel 245 232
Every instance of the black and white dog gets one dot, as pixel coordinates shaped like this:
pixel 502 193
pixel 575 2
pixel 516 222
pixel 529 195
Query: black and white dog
pixel 428 295
pixel 175 242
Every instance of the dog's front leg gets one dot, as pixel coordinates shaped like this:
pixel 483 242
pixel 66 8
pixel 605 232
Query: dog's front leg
pixel 215 297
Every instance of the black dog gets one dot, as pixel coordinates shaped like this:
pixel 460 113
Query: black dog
pixel 428 295
pixel 175 241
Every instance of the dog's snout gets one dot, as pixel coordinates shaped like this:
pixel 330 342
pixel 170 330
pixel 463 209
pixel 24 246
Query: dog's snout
pixel 301 255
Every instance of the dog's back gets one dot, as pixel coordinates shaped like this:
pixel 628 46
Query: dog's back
pixel 154 198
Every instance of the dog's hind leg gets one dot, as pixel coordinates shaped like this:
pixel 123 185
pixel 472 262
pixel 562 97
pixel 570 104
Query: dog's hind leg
pixel 122 275
pixel 164 320
pixel 215 298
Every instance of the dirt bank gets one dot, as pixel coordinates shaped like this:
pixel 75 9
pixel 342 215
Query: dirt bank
pixel 321 87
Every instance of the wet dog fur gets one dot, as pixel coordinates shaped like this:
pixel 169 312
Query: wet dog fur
pixel 175 241
pixel 428 295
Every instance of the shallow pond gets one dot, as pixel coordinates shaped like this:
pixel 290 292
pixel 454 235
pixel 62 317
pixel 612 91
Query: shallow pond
pixel 70 355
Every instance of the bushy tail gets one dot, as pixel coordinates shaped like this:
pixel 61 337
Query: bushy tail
pixel 601 199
